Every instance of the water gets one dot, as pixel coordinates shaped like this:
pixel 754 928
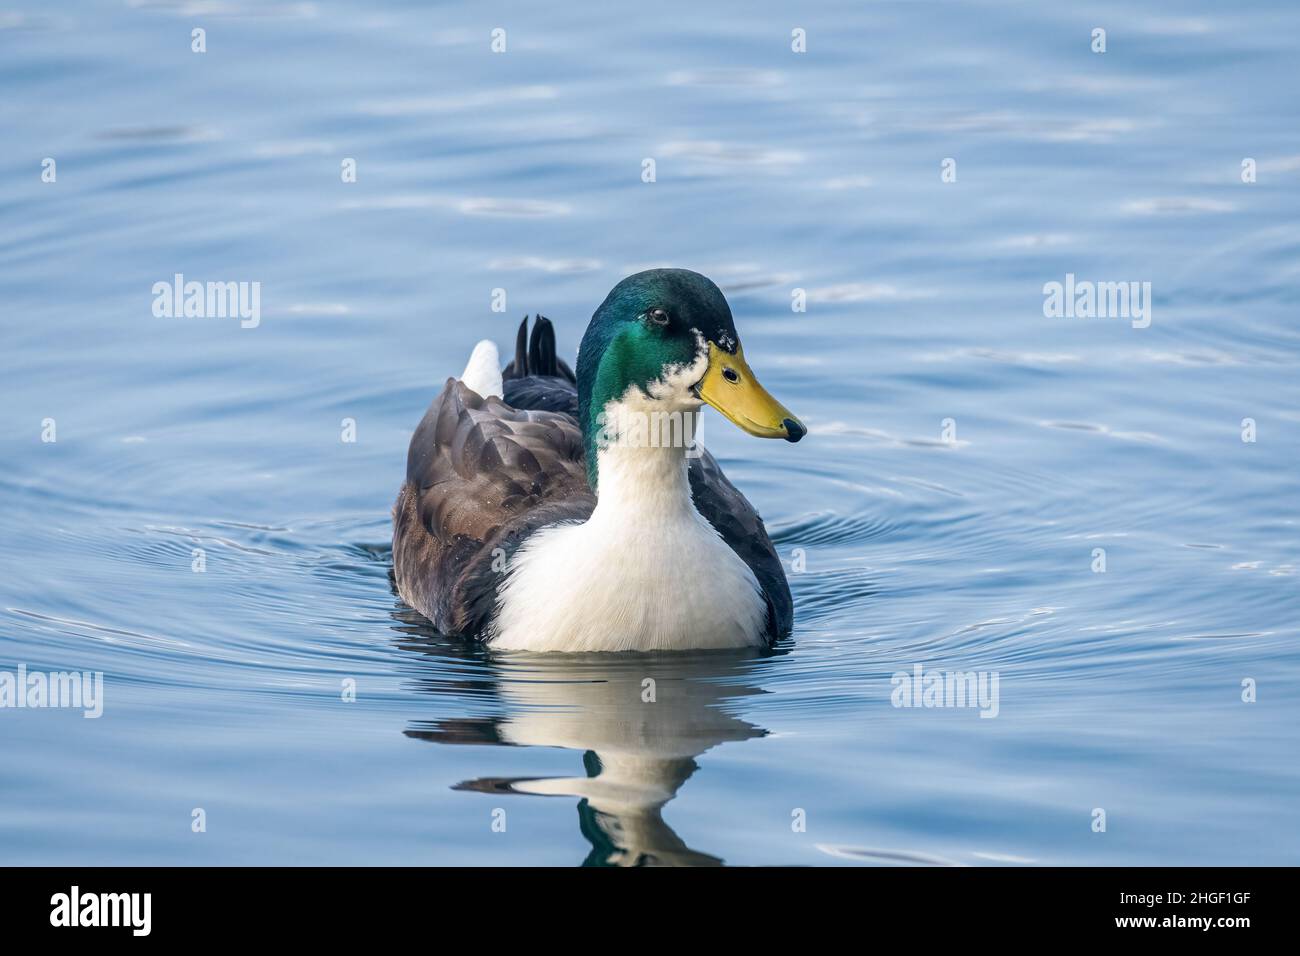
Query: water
pixel 223 689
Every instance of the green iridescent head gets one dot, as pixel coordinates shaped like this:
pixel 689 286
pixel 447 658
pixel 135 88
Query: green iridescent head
pixel 669 334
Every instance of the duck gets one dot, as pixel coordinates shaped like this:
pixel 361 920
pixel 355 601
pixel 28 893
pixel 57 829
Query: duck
pixel 553 509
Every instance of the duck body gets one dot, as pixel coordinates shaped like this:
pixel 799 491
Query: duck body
pixel 539 513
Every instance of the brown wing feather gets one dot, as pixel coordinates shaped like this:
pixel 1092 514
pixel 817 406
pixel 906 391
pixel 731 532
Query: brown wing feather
pixel 480 475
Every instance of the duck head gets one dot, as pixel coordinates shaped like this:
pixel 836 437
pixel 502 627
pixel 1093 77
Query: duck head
pixel 664 341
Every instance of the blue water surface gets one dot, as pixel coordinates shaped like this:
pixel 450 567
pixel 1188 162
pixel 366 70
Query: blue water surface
pixel 971 460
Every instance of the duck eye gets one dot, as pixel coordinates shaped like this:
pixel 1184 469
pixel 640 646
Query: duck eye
pixel 731 375
pixel 657 316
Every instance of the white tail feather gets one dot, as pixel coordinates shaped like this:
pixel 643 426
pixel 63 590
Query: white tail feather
pixel 483 371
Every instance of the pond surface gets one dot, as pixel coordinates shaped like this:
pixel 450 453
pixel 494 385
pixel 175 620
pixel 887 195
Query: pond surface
pixel 972 465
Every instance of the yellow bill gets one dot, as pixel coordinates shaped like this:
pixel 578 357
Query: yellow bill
pixel 731 387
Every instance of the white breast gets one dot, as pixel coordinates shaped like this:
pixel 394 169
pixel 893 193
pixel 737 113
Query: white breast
pixel 645 572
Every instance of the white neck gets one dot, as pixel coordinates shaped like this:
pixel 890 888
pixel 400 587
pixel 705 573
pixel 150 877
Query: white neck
pixel 641 462
pixel 633 481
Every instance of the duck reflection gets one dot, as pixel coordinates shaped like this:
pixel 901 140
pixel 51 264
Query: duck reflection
pixel 639 720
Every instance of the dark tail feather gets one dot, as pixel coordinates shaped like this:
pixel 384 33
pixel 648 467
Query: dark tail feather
pixel 535 353
pixel 521 348
pixel 519 367
pixel 541 349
